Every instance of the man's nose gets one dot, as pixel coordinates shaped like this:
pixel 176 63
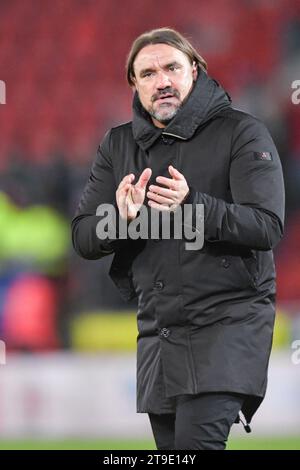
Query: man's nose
pixel 163 80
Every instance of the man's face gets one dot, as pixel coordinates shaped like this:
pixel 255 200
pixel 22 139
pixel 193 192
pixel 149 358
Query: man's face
pixel 163 79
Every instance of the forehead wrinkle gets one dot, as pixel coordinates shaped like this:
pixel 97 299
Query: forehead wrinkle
pixel 162 51
pixel 156 63
pixel 155 57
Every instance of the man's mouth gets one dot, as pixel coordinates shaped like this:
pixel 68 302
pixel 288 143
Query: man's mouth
pixel 168 97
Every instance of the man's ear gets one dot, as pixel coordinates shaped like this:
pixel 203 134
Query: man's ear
pixel 133 86
pixel 195 71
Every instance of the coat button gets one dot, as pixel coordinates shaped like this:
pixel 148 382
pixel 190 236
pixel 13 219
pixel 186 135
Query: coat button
pixel 225 263
pixel 164 332
pixel 158 285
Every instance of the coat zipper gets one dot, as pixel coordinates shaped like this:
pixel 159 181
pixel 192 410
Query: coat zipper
pixel 174 135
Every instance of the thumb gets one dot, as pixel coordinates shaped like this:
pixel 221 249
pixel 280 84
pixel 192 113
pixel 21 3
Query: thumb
pixel 144 178
pixel 175 173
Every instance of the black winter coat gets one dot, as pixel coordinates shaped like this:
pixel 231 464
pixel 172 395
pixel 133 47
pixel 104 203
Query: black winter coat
pixel 205 318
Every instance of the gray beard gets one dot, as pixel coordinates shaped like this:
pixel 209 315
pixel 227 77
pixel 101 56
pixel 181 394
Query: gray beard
pixel 164 120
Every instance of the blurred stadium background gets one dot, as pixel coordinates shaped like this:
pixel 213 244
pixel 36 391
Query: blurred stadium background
pixel 69 378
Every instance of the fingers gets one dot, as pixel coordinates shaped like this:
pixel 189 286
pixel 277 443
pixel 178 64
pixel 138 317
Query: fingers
pixel 146 175
pixel 170 183
pixel 127 179
pixel 160 199
pixel 161 195
pixel 170 193
pixel 144 178
pixel 175 173
pixel 123 193
pixel 160 207
pixel 123 188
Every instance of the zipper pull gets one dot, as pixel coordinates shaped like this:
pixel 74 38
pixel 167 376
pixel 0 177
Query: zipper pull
pixel 246 425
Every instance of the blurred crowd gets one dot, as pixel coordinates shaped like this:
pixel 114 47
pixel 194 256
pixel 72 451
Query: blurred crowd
pixel 63 63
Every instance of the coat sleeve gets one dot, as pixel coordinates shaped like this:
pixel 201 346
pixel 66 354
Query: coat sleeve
pixel 100 189
pixel 255 218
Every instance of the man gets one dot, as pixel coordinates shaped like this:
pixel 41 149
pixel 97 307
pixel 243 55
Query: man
pixel 205 317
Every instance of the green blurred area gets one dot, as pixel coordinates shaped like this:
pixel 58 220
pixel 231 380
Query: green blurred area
pixel 104 331
pixel 246 443
pixel 38 234
pixel 117 331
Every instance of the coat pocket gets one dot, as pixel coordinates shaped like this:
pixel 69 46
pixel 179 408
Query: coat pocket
pixel 251 267
pixel 242 269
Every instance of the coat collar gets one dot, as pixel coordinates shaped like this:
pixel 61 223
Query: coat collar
pixel 206 100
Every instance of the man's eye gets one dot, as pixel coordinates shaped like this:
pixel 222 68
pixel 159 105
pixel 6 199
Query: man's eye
pixel 148 74
pixel 172 68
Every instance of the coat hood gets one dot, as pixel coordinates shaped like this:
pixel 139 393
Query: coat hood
pixel 205 101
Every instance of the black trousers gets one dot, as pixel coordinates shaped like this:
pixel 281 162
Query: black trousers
pixel 201 422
